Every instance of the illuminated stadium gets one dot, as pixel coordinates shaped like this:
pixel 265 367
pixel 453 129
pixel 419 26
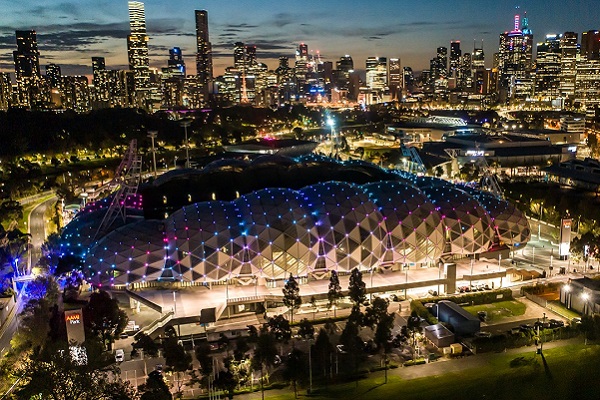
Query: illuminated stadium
pixel 258 221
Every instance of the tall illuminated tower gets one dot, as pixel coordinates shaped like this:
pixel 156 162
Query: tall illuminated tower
pixel 137 45
pixel 515 60
pixel 204 65
pixel 568 63
pixel 27 66
pixel 395 78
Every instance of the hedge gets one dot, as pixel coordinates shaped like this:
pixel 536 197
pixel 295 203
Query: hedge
pixel 542 288
pixel 486 297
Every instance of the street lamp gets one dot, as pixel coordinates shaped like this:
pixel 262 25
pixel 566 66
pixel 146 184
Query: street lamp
pixel 185 123
pixel 152 136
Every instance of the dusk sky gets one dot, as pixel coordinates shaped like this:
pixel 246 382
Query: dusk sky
pixel 70 32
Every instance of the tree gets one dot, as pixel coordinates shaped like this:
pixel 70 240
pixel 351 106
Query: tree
pixel 34 325
pixel 226 381
pixel 241 348
pixel 335 291
pixel 294 369
pixel 176 358
pixel 13 246
pixel 352 343
pixel 155 388
pixel 375 312
pixel 383 336
pixel 51 253
pixel 43 286
pixel 280 328
pixel 145 343
pixel 103 317
pixel 52 372
pixel 322 351
pixel 306 329
pixel 291 296
pixel 10 210
pixel 357 288
pixel 264 356
pixel 202 352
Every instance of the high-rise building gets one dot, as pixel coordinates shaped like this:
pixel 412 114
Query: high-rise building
pixel 204 65
pixel 568 63
pixel 239 56
pixel 343 67
pixel 176 64
pixel 515 60
pixel 590 45
pixel 455 60
pixel 547 69
pixel 137 45
pixel 438 71
pixel 53 75
pixel 478 57
pixel 27 68
pixel 301 66
pixel 376 73
pixel 5 91
pixel 395 78
pixel 408 79
pixel 465 77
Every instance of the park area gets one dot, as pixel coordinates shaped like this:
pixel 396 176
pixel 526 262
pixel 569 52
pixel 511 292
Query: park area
pixel 563 372
pixel 497 311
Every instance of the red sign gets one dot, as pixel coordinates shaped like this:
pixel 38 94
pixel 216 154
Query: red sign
pixel 73 319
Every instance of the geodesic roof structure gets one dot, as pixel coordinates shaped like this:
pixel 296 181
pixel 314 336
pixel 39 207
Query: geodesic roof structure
pixel 348 224
pixel 512 227
pixel 469 229
pixel 279 232
pixel 205 241
pixel 357 216
pixel 130 254
pixel 414 227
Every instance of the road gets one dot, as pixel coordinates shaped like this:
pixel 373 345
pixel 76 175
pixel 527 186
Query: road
pixel 37 229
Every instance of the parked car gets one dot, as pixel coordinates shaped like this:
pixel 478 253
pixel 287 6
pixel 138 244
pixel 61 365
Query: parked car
pixel 483 334
pixel 556 323
pixel 119 355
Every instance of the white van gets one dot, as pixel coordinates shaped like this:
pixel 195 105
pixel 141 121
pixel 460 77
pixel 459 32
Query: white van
pixel 119 355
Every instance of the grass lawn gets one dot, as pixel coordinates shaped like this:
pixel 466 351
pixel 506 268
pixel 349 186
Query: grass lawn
pixel 567 372
pixel 497 311
pixel 562 310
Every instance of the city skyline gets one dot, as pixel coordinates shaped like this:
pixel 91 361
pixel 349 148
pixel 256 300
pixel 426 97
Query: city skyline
pixel 70 33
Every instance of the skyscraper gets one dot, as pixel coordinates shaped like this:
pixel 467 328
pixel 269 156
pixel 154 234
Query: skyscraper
pixel 547 70
pixel 438 67
pixel 53 75
pixel 27 68
pixel 137 45
pixel 204 65
pixel 27 56
pixel 568 63
pixel 590 45
pixel 376 73
pixel 515 60
pixel 239 56
pixel 395 78
pixel 176 64
pixel 101 81
pixel 455 56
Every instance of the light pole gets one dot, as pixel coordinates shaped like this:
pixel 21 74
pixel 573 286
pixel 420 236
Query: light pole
pixel 152 136
pixel 185 123
pixel 310 381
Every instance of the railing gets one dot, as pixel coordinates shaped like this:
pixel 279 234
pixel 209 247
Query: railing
pixel 159 323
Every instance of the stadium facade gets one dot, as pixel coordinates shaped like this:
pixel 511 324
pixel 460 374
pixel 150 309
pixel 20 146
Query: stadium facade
pixel 257 222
